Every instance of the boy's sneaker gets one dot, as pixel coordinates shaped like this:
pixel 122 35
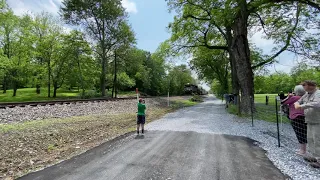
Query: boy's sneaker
pixel 137 132
pixel 142 131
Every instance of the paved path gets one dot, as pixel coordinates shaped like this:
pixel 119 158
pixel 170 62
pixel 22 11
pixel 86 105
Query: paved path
pixel 174 155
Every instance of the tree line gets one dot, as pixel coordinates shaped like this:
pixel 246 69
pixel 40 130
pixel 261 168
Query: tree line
pixel 216 33
pixel 280 81
pixel 36 50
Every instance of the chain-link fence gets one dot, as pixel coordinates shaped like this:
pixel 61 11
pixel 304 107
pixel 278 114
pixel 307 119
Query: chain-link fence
pixel 273 117
pixel 290 128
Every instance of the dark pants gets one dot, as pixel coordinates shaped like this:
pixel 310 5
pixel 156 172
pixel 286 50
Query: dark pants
pixel 141 119
pixel 300 128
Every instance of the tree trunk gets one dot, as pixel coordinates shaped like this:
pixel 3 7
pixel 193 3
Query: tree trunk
pixel 4 85
pixel 115 76
pixel 38 89
pixel 116 80
pixel 241 52
pixel 15 88
pixel 235 82
pixel 15 92
pixel 225 86
pixel 81 78
pixel 103 74
pixel 55 88
pixel 234 77
pixel 113 88
pixel 49 77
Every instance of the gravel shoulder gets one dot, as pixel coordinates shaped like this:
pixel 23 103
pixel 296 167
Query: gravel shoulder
pixel 21 114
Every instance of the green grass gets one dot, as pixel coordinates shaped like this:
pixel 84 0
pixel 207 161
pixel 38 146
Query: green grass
pixel 262 111
pixel 261 98
pixel 232 109
pixel 183 103
pixel 122 93
pixel 29 94
pixel 268 113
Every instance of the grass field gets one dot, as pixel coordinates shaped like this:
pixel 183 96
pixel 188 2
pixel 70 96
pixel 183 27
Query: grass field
pixel 29 94
pixel 262 111
pixel 183 103
pixel 261 98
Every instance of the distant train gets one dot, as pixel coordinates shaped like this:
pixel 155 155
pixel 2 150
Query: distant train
pixel 194 89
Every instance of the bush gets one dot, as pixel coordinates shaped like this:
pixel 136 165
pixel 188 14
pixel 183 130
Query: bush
pixel 89 94
pixel 196 98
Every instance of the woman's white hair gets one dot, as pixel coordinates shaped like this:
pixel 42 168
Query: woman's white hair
pixel 299 90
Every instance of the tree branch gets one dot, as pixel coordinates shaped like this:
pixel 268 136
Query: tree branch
pixel 262 23
pixel 205 19
pixel 196 18
pixel 199 6
pixel 290 35
pixel 308 2
pixel 207 46
pixel 254 7
pixel 220 29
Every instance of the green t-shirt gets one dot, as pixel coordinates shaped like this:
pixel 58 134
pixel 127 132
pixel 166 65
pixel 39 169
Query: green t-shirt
pixel 141 109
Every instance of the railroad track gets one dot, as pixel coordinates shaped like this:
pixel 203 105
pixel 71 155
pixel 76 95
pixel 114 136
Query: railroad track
pixel 69 101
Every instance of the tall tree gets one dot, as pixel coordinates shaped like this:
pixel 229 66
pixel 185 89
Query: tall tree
pixel 101 19
pixel 24 53
pixel 212 65
pixel 8 32
pixel 125 39
pixel 135 68
pixel 80 55
pixel 177 78
pixel 47 30
pixel 16 38
pixel 202 22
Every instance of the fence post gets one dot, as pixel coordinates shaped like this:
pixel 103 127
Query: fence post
pixel 251 102
pixel 277 115
pixel 267 100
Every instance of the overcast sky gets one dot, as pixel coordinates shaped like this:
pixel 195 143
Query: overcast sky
pixel 149 19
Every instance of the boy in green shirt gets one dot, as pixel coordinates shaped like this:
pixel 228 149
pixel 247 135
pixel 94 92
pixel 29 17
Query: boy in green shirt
pixel 141 117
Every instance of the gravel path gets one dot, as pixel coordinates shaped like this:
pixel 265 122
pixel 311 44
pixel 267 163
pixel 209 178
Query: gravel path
pixel 210 117
pixel 19 114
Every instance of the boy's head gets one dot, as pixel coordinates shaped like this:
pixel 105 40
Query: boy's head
pixel 140 100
